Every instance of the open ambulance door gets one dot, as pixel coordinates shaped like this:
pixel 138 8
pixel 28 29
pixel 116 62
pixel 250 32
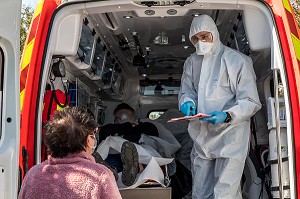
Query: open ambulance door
pixel 289 35
pixel 10 13
pixel 30 78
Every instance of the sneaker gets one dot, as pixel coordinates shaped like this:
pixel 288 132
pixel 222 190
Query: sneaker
pixel 130 160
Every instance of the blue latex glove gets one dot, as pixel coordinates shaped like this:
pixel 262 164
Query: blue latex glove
pixel 188 108
pixel 216 117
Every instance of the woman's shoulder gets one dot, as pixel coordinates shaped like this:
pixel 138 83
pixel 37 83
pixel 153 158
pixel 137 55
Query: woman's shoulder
pixel 96 167
pixel 36 169
pixel 102 168
pixel 101 171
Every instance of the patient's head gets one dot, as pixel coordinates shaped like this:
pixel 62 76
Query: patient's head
pixel 124 113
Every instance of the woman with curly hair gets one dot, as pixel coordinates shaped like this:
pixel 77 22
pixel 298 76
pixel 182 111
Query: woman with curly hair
pixel 71 170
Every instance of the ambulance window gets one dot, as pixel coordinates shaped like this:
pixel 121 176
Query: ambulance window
pixel 122 85
pixel 155 114
pixel 118 82
pixel 1 86
pixel 238 39
pixel 116 79
pixel 97 65
pixel 108 70
pixel 86 43
pixel 159 87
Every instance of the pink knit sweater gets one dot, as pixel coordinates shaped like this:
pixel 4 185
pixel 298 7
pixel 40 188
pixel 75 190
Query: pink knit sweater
pixel 73 177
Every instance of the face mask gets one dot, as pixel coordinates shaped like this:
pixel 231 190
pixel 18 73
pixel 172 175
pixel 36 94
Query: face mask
pixel 93 148
pixel 203 48
pixel 123 119
pixel 95 144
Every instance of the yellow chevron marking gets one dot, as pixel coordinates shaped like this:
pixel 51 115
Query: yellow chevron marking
pixel 27 54
pixel 296 42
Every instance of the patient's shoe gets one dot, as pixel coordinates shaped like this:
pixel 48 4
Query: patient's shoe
pixel 130 160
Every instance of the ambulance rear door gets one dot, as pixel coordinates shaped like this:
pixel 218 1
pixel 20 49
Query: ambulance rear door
pixel 10 13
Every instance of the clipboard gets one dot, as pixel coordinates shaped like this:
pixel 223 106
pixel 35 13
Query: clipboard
pixel 193 117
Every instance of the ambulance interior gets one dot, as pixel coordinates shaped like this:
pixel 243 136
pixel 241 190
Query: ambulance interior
pixel 135 54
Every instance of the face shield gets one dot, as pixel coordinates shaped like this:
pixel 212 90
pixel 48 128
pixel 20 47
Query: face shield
pixel 123 119
pixel 122 116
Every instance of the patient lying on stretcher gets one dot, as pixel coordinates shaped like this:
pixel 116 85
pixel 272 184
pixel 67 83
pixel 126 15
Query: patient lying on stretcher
pixel 126 158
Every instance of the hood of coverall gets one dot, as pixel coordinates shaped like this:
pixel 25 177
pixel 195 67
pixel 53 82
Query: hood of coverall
pixel 205 23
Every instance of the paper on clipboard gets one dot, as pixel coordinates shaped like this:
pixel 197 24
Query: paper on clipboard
pixel 199 115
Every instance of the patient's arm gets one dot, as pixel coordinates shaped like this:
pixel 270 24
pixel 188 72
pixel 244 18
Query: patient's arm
pixel 113 129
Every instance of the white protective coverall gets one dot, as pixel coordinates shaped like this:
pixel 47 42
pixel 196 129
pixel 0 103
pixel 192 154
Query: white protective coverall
pixel 222 80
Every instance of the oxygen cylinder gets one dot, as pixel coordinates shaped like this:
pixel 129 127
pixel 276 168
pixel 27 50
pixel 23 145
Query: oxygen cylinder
pixel 273 153
pixel 273 160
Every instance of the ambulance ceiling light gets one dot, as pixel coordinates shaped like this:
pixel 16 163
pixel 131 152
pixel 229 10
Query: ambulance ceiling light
pixel 172 12
pixel 149 12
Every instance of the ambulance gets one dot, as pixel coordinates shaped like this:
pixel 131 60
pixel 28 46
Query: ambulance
pixel 96 54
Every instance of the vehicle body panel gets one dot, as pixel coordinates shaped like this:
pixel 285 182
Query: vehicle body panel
pixel 10 14
pixel 30 71
pixel 289 38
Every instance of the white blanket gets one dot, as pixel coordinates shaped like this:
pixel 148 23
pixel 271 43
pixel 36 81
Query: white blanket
pixel 147 155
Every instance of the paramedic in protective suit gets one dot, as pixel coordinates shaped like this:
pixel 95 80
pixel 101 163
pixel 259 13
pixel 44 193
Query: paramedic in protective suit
pixel 221 82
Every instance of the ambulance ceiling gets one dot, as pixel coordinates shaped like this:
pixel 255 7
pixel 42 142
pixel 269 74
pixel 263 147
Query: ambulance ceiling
pixel 163 42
